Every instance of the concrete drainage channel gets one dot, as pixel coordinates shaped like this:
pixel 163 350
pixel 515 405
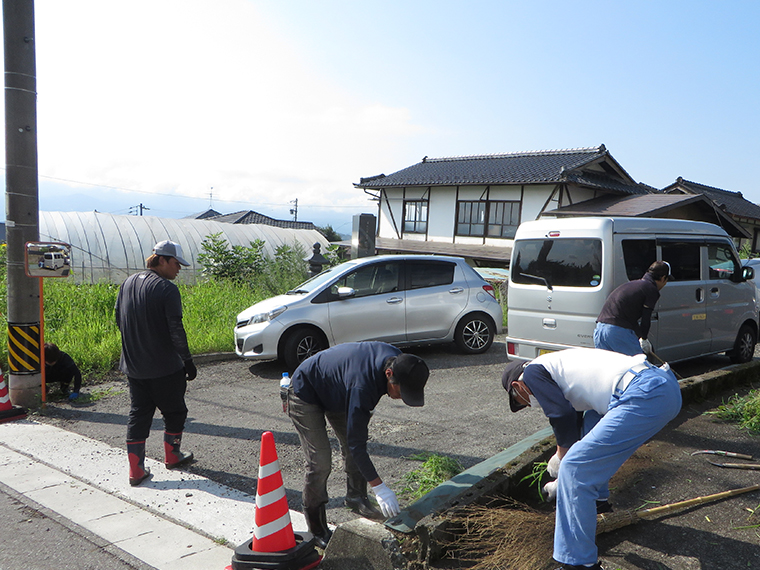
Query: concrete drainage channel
pixel 365 545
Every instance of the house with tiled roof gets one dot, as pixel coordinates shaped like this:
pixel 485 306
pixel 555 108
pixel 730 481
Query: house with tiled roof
pixel 251 217
pixel 471 206
pixel 734 204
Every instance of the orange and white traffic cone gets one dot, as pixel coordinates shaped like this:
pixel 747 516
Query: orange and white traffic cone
pixel 272 531
pixel 8 411
pixel 274 544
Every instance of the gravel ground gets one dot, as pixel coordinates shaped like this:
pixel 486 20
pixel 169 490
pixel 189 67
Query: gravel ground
pixel 233 402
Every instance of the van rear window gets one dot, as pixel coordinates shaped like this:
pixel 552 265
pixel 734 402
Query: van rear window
pixel 563 262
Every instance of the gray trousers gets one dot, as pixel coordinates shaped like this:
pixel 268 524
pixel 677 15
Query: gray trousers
pixel 309 421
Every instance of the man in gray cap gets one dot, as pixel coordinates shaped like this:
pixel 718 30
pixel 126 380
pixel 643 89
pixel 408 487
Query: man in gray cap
pixel 155 356
pixel 343 384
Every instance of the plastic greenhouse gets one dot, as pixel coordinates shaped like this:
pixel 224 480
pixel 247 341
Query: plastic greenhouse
pixel 105 247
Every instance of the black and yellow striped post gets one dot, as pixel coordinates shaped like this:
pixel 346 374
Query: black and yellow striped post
pixel 24 348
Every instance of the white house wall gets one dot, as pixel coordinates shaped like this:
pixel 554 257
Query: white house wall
pixel 110 248
pixel 442 213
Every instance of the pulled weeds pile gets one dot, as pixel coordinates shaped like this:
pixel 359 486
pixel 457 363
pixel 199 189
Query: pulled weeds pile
pixel 503 535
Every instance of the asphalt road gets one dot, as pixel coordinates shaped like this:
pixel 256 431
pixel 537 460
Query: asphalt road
pixel 466 416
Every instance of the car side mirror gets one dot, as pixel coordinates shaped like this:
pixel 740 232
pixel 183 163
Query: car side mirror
pixel 748 273
pixel 345 292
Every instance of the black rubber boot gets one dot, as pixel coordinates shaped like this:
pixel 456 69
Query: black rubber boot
pixel 358 500
pixel 137 470
pixel 316 519
pixel 173 457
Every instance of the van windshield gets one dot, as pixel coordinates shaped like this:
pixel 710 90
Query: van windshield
pixel 557 262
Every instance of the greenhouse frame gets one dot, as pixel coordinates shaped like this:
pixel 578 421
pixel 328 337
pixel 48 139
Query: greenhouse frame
pixel 106 247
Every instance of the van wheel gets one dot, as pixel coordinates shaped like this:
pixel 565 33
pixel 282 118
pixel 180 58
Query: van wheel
pixel 744 347
pixel 300 345
pixel 474 333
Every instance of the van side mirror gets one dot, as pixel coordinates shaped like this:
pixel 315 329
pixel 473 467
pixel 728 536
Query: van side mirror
pixel 748 273
pixel 47 259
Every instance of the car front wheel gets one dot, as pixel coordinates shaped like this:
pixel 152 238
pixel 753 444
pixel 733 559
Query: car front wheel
pixel 474 334
pixel 300 345
pixel 744 347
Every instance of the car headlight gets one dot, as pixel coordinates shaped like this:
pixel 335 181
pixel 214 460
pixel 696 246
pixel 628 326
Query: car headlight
pixel 264 317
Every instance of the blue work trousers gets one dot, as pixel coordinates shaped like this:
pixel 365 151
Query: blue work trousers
pixel 650 401
pixel 616 339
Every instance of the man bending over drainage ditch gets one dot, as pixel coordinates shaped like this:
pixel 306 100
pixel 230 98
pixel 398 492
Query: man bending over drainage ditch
pixel 343 384
pixel 635 400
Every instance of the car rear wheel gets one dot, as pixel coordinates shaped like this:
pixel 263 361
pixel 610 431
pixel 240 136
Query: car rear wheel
pixel 744 347
pixel 300 345
pixel 475 333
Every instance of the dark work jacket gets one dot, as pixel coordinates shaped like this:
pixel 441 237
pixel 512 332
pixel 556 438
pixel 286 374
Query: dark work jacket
pixel 348 378
pixel 625 305
pixel 64 371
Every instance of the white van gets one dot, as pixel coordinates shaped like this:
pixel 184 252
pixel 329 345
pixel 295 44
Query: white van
pixel 53 260
pixel 562 271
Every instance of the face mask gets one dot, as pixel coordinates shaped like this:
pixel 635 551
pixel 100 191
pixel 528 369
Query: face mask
pixel 533 402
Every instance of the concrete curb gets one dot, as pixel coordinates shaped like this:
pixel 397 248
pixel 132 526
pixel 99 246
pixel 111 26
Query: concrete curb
pixel 363 542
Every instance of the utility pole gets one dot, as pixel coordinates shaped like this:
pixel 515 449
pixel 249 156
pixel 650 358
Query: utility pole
pixel 22 201
pixel 294 210
pixel 137 210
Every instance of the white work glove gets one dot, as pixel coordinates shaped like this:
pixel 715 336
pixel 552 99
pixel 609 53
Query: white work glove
pixel 387 500
pixel 552 468
pixel 646 346
pixel 550 490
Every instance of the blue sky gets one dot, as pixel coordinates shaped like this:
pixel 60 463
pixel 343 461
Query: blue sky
pixel 159 101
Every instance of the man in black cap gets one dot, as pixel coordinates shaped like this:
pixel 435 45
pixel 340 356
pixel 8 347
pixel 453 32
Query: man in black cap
pixel 155 356
pixel 634 400
pixel 624 321
pixel 343 384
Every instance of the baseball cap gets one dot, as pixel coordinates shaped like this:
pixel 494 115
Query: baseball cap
pixel 411 374
pixel 170 249
pixel 512 372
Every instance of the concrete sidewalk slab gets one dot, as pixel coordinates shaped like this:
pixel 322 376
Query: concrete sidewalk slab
pixel 175 520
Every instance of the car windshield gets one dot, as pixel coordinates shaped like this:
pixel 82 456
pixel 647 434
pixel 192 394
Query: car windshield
pixel 318 280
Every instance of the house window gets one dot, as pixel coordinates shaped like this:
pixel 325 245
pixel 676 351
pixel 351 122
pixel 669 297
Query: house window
pixel 471 217
pixel 503 218
pixel 415 216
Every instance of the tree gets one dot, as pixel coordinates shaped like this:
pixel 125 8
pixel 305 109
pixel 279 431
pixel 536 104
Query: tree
pixel 329 233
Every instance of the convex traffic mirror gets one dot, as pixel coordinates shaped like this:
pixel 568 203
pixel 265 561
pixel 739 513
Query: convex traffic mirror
pixel 47 259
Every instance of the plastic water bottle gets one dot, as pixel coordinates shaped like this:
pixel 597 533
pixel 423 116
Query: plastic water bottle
pixel 284 385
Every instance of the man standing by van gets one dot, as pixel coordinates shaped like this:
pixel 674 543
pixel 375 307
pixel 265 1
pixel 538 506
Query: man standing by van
pixel 623 324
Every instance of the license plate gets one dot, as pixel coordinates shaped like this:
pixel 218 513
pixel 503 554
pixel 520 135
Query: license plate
pixel 545 351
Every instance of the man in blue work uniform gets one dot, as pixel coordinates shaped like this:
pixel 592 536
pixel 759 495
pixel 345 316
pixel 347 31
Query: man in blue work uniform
pixel 624 321
pixel 635 400
pixel 342 385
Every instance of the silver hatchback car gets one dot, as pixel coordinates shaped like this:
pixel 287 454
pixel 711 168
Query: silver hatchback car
pixel 398 299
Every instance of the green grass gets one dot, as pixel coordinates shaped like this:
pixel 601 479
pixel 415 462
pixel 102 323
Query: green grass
pixel 744 410
pixel 435 469
pixel 80 319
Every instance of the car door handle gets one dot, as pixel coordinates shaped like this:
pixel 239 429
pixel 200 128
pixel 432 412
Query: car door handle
pixel 456 290
pixel 394 300
pixel 715 292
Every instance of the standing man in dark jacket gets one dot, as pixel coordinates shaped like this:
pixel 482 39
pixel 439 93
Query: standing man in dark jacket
pixel 155 356
pixel 343 384
pixel 623 324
